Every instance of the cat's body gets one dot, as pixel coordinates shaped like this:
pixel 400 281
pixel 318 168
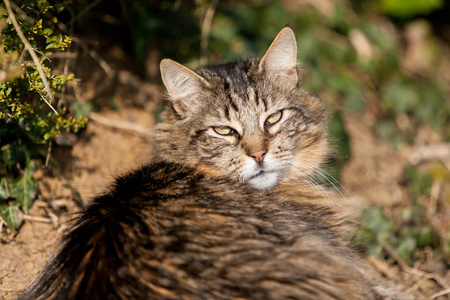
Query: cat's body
pixel 228 210
pixel 167 232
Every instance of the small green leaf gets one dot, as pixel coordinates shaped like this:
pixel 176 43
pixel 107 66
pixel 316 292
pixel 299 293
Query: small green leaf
pixel 5 187
pixel 3 194
pixel 52 45
pixel 427 237
pixel 374 220
pixel 12 215
pixel 48 31
pixel 399 96
pixel 26 187
pixel 47 135
pixel 406 249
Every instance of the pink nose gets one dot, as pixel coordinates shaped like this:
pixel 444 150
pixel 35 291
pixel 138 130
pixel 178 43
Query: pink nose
pixel 259 156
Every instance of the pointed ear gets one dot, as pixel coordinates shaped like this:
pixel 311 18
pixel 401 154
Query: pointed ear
pixel 182 84
pixel 281 57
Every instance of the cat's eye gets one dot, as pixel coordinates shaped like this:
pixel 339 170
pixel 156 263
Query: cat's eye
pixel 272 119
pixel 223 130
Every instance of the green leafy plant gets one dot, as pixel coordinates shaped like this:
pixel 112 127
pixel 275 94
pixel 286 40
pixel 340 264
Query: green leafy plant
pixel 407 236
pixel 408 233
pixel 22 190
pixel 30 113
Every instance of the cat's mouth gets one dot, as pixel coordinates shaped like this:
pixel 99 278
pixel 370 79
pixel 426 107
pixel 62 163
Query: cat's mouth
pixel 261 173
pixel 263 180
pixel 262 176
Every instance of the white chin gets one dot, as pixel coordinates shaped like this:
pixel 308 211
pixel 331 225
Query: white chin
pixel 265 181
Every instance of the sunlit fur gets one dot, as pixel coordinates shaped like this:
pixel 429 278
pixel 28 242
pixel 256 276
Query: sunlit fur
pixel 242 96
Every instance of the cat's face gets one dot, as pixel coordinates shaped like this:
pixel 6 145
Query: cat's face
pixel 247 120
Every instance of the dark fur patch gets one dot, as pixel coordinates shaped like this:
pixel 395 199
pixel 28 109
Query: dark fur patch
pixel 169 232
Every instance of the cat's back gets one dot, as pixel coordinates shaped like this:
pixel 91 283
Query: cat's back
pixel 168 232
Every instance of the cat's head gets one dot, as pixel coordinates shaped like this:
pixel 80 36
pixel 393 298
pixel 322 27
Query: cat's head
pixel 249 120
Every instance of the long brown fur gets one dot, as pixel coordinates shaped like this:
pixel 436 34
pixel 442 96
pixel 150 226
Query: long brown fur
pixel 229 209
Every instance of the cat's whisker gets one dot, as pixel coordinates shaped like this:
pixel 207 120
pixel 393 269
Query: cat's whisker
pixel 312 181
pixel 316 165
pixel 328 174
pixel 324 174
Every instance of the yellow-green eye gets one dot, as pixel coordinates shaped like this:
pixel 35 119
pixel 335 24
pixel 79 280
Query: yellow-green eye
pixel 272 119
pixel 223 130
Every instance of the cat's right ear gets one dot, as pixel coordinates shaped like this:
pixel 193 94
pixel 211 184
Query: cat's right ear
pixel 182 84
pixel 281 57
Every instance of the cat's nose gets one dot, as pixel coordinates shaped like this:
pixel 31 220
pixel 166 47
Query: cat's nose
pixel 258 156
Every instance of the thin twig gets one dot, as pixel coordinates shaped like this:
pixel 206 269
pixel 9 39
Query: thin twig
pixel 91 52
pixel 10 290
pixel 441 293
pixel 85 10
pixel 100 61
pixel 37 219
pixel 120 124
pixel 6 184
pixel 1 225
pixel 2 51
pixel 103 64
pixel 417 285
pixel 32 53
pixel 65 55
pixel 410 270
pixel 49 153
pixel 431 152
pixel 206 28
pixel 22 15
pixel 394 255
pixel 53 217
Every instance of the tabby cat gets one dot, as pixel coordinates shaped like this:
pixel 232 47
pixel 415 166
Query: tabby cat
pixel 228 209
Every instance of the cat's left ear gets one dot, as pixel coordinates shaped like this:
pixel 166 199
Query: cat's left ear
pixel 281 57
pixel 183 85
